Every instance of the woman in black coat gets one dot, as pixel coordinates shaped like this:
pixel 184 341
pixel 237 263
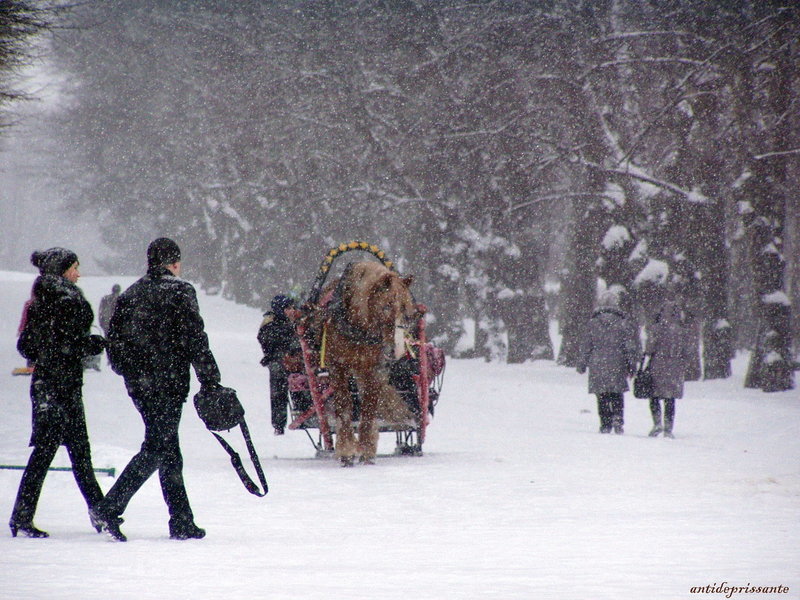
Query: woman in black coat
pixel 56 338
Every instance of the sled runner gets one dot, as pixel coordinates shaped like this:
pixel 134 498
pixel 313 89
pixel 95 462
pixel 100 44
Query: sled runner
pixel 411 364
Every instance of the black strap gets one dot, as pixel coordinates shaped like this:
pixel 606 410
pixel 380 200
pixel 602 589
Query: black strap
pixel 236 461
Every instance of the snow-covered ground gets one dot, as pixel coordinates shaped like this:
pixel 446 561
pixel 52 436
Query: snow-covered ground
pixel 516 496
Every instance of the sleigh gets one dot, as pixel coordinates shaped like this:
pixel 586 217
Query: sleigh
pixel 416 375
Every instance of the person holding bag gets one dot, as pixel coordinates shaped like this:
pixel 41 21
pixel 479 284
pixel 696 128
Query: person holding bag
pixel 155 335
pixel 56 338
pixel 668 352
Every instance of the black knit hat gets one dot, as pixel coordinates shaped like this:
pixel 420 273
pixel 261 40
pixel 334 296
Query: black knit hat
pixel 162 251
pixel 279 303
pixel 54 261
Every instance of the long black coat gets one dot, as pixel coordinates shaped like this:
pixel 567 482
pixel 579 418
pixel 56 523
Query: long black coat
pixel 156 332
pixel 56 338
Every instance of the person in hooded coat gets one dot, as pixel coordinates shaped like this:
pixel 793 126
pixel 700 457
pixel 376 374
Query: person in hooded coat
pixel 278 339
pixel 610 351
pixel 56 338
pixel 155 335
pixel 669 353
pixel 107 305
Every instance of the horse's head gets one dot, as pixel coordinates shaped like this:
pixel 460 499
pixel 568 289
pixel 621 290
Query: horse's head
pixel 381 300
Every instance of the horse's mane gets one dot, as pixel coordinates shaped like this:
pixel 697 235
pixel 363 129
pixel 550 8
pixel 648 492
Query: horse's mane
pixel 366 281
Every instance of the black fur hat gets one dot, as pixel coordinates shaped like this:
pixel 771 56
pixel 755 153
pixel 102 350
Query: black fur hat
pixel 162 251
pixel 54 261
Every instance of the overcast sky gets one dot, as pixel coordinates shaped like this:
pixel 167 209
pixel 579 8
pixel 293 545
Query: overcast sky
pixel 31 215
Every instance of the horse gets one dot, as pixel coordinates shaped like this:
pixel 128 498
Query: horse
pixel 369 310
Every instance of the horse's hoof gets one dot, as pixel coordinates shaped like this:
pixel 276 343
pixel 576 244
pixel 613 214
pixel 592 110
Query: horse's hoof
pixel 366 461
pixel 347 461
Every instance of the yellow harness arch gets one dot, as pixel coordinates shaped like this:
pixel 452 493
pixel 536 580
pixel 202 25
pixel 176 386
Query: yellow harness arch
pixel 335 252
pixel 354 245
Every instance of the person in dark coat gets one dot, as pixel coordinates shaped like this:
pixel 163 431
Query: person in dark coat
pixel 669 353
pixel 55 339
pixel 156 333
pixel 278 339
pixel 107 305
pixel 610 351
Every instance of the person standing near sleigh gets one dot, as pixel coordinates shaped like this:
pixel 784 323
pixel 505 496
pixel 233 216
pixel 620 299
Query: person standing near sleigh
pixel 156 333
pixel 610 351
pixel 278 340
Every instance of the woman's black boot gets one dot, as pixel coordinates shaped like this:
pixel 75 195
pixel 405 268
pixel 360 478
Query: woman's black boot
pixel 27 530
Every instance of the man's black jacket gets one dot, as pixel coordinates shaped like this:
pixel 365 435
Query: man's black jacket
pixel 156 332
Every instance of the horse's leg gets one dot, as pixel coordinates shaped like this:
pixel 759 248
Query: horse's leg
pixel 343 408
pixel 369 387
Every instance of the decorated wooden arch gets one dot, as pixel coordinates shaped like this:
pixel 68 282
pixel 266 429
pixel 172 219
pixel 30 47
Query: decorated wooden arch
pixel 336 252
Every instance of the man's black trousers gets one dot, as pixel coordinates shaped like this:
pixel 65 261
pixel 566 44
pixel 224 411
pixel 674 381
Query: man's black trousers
pixel 160 452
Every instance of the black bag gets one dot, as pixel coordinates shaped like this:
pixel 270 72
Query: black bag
pixel 643 382
pixel 219 408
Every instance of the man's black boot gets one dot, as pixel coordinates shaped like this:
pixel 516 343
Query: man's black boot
pixel 186 531
pixel 108 523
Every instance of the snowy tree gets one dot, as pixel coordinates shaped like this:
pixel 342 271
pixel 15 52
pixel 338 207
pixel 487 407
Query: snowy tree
pixel 766 109
pixel 20 22
pixel 484 146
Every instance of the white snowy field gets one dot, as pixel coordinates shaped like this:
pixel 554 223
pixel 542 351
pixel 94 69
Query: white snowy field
pixel 516 496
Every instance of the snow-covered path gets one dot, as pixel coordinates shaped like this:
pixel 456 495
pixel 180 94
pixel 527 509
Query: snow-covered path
pixel 517 495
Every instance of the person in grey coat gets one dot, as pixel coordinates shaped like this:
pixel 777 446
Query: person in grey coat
pixel 610 351
pixel 668 350
pixel 107 305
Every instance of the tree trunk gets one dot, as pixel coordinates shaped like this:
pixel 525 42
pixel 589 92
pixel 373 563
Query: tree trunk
pixel 525 317
pixel 580 283
pixel 717 333
pixel 771 364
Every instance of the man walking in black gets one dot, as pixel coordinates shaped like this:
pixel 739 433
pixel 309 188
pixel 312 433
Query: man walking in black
pixel 155 334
